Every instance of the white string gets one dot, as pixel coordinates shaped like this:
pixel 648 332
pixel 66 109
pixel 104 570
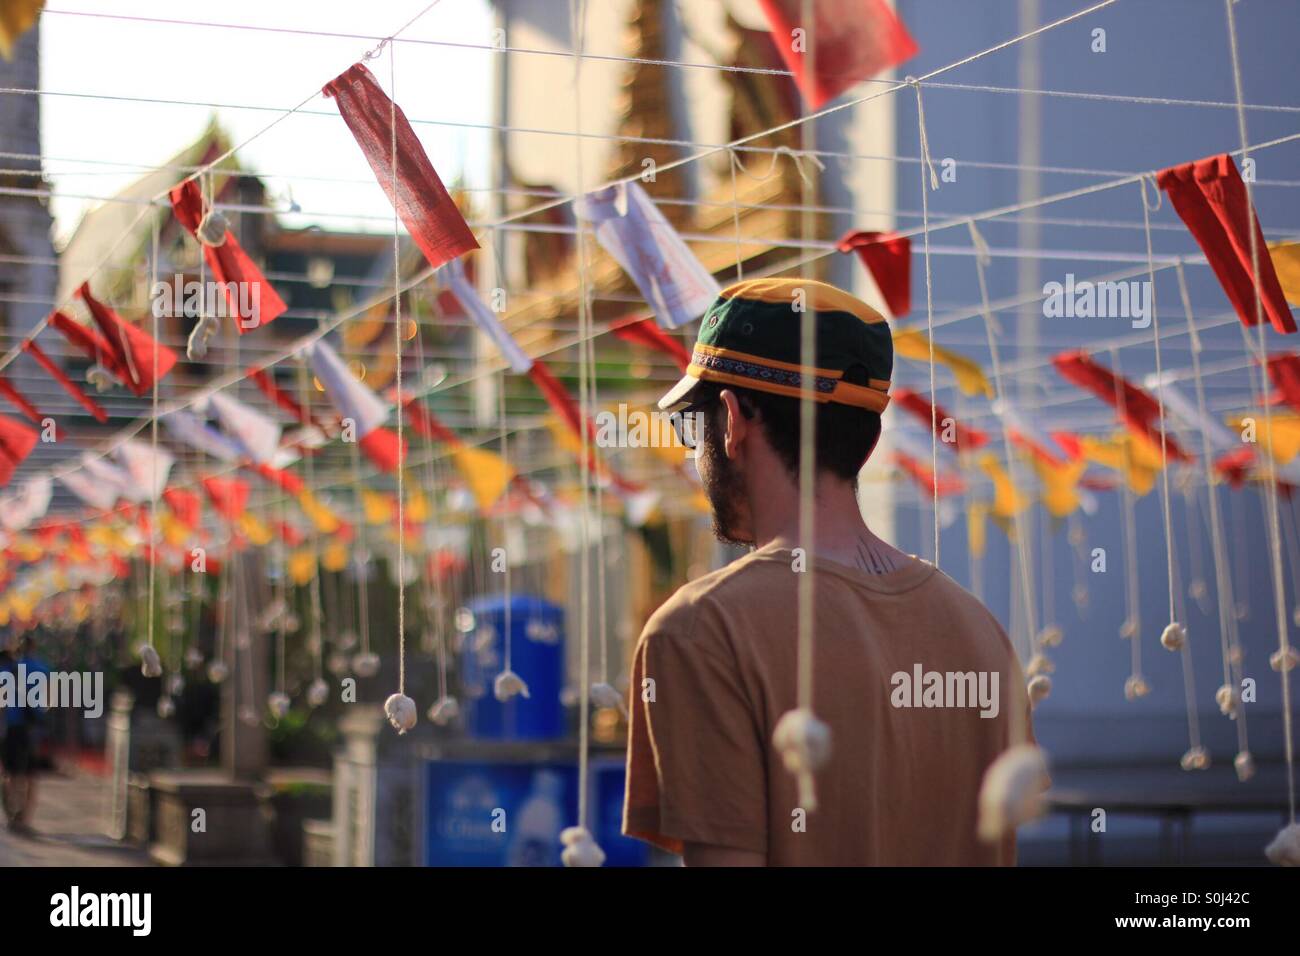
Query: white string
pixel 929 303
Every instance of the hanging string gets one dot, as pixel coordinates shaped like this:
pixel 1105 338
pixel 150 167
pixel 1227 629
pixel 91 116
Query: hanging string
pixel 1275 547
pixel 397 354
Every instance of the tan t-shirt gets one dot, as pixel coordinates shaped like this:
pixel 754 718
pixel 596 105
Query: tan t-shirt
pixel 715 670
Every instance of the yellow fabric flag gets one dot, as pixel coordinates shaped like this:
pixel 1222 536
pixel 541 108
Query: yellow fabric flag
pixel 416 507
pixel 1008 500
pixel 1282 440
pixel 174 533
pixel 335 556
pixel 913 344
pixel 1286 263
pixel 1137 458
pixel 255 529
pixel 378 508
pixel 1060 484
pixel 16 18
pixel 486 473
pixel 977 528
pixel 302 566
pixel 324 520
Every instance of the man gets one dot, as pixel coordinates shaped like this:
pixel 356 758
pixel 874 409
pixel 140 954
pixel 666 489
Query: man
pixel 715 668
pixel 24 729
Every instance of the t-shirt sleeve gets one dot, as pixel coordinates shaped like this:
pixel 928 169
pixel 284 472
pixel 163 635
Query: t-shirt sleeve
pixel 696 761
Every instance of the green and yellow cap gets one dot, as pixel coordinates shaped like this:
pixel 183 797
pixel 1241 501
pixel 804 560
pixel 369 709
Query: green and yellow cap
pixel 750 337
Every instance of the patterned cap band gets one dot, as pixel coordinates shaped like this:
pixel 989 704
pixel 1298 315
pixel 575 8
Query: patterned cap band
pixel 750 371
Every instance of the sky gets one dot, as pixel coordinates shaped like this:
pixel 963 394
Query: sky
pixel 246 80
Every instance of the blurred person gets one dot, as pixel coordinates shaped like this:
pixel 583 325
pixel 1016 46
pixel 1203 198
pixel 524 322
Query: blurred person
pixel 900 785
pixel 22 753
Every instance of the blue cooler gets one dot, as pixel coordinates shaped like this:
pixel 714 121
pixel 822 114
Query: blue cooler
pixel 537 655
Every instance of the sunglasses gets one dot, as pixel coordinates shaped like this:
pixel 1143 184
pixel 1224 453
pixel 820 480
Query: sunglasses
pixel 688 423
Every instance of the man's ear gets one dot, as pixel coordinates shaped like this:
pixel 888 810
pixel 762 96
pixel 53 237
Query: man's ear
pixel 735 425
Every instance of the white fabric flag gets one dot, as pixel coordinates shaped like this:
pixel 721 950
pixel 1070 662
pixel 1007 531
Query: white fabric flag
pixel 30 502
pixel 98 494
pixel 453 276
pixel 259 434
pixel 1178 406
pixel 633 230
pixel 189 429
pixel 350 398
pixel 148 468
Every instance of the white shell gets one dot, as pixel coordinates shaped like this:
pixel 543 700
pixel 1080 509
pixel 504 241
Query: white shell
pixel 1196 758
pixel 1174 637
pixel 1244 764
pixel 317 692
pixel 1051 636
pixel 1279 661
pixel 347 640
pixel 1012 791
pixel 1135 687
pixel 1284 850
pixel 580 849
pixel 166 707
pixel 507 685
pixel 400 711
pixel 218 671
pixel 175 685
pixel 803 741
pixel 193 658
pixel 337 664
pixel 1226 698
pixel 366 665
pixel 1128 629
pixel 1039 664
pixel 1040 686
pixel 444 711
pixel 100 377
pixel 606 696
pixel 278 704
pixel 212 230
pixel 150 663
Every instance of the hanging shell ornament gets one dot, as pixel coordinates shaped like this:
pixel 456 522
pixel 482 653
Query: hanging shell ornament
pixel 337 664
pixel 166 707
pixel 175 685
pixel 1011 793
pixel 1051 636
pixel 1128 629
pixel 1284 849
pixel 1244 764
pixel 193 658
pixel 278 704
pixel 804 743
pixel 1198 590
pixel 366 664
pixel 212 229
pixel 444 710
pixel 248 714
pixel 1226 698
pixel 580 849
pixel 100 377
pixel 400 711
pixel 1196 758
pixel 150 662
pixel 218 671
pixel 1040 664
pixel 608 697
pixel 317 692
pixel 1040 686
pixel 508 684
pixel 1080 596
pixel 347 640
pixel 1174 637
pixel 1135 687
pixel 1286 660
pixel 1295 615
pixel 196 346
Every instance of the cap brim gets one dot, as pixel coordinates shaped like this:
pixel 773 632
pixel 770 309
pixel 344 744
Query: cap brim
pixel 678 396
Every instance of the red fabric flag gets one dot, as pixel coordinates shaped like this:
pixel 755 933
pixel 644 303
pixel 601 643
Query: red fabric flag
pixel 16 443
pixel 127 352
pixel 289 534
pixel 1211 199
pixel 923 476
pixel 229 496
pixel 20 401
pixel 229 264
pixel 967 439
pixel 427 425
pixel 280 477
pixel 888 257
pixel 69 386
pixel 262 379
pixel 647 332
pixel 419 197
pixel 185 505
pixel 557 396
pixel 1235 466
pixel 1284 373
pixel 1136 408
pixel 383 449
pixel 851 41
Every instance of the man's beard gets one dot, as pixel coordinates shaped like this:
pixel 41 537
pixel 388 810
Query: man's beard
pixel 724 489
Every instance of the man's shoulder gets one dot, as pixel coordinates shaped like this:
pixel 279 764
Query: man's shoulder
pixel 700 600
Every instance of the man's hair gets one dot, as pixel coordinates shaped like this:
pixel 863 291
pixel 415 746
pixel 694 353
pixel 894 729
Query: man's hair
pixel 844 435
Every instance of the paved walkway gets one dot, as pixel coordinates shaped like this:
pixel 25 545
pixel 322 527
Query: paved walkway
pixel 69 824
